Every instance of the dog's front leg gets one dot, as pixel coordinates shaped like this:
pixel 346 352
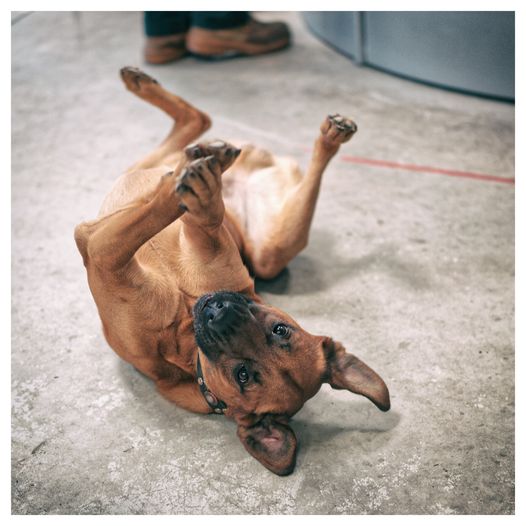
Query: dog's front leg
pixel 185 394
pixel 204 239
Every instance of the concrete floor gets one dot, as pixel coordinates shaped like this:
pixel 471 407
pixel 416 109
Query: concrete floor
pixel 412 271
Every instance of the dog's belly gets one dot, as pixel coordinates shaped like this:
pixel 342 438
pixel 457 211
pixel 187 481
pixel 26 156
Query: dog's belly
pixel 255 198
pixel 254 189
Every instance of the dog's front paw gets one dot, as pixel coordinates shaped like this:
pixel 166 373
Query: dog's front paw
pixel 135 79
pixel 224 152
pixel 199 188
pixel 337 129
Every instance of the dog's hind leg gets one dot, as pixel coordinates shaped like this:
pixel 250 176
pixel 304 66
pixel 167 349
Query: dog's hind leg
pixel 190 123
pixel 274 241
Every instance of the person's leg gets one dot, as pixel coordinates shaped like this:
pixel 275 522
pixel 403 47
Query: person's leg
pixel 165 35
pixel 220 34
pixel 219 19
pixel 209 34
pixel 165 23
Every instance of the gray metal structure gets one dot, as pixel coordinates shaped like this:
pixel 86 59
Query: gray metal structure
pixel 467 51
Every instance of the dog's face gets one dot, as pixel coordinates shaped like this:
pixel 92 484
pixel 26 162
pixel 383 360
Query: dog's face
pixel 264 366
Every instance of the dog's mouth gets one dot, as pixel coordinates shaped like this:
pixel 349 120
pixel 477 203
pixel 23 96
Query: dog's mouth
pixel 217 317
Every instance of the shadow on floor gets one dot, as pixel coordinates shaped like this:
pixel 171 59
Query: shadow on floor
pixel 312 273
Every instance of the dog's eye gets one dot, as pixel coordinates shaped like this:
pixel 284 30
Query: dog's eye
pixel 281 330
pixel 242 375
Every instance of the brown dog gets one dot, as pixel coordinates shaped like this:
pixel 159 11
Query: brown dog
pixel 189 221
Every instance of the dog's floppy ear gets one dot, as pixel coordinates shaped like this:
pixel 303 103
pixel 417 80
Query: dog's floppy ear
pixel 346 371
pixel 272 442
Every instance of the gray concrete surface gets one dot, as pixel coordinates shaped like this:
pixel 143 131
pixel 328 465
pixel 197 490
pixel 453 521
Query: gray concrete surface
pixel 413 271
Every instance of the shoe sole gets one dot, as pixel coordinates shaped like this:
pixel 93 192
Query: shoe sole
pixel 163 58
pixel 220 50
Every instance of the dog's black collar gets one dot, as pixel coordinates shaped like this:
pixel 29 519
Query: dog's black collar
pixel 218 406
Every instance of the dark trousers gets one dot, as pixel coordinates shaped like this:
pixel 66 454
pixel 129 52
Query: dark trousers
pixel 163 23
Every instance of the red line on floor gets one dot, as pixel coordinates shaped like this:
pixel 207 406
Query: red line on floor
pixel 426 169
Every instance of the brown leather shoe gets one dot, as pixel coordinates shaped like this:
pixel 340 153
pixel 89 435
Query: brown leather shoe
pixel 254 38
pixel 161 50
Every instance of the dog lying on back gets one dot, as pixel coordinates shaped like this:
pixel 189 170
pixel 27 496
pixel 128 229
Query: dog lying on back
pixel 170 261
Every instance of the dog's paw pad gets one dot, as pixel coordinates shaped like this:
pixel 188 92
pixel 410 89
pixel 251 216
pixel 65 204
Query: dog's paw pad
pixel 135 79
pixel 199 168
pixel 338 129
pixel 181 183
pixel 222 151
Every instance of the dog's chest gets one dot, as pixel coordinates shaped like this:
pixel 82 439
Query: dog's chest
pixel 176 345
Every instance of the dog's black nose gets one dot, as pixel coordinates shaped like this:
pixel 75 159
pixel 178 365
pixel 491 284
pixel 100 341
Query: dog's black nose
pixel 220 314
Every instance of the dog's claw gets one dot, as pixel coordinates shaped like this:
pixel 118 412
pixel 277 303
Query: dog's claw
pixel 180 187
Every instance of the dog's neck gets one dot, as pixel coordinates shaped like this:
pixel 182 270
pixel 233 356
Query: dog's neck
pixel 218 406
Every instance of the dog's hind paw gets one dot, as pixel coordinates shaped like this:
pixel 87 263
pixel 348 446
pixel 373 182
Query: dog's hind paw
pixel 135 79
pixel 337 129
pixel 224 152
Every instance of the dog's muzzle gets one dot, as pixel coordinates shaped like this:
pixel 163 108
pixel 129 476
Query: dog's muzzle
pixel 218 316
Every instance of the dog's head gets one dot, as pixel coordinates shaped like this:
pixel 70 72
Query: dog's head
pixel 264 366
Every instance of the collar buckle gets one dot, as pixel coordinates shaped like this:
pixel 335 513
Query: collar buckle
pixel 218 406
